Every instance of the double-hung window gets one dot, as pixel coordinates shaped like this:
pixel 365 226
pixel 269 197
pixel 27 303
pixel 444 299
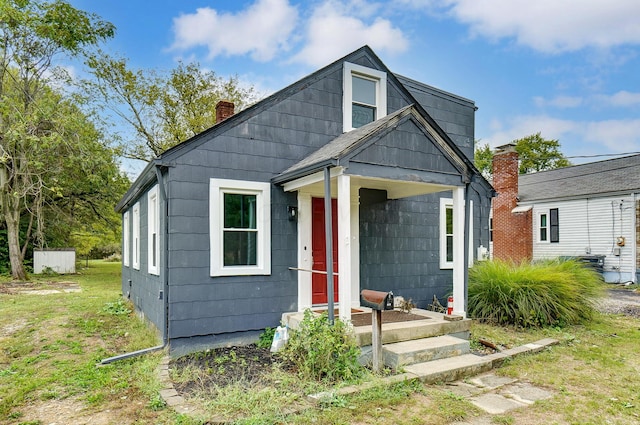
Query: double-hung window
pixel 240 223
pixel 153 226
pixel 543 228
pixel 136 236
pixel 548 226
pixel 446 233
pixel 126 239
pixel 364 95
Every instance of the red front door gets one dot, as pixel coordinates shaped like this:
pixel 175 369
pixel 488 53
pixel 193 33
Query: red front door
pixel 319 250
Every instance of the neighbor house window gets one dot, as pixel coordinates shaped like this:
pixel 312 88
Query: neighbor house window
pixel 240 223
pixel 446 234
pixel 548 229
pixel 364 95
pixel 153 227
pixel 126 239
pixel 544 227
pixel 554 228
pixel 136 236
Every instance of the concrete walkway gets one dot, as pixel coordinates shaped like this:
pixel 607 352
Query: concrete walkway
pixel 496 394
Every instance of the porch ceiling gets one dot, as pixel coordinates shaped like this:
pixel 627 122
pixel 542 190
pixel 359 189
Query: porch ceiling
pixel 395 189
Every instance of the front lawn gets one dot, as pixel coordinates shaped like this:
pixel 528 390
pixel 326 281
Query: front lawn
pixel 50 345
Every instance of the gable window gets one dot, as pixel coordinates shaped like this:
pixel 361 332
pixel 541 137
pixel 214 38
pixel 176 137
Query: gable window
pixel 364 95
pixel 153 226
pixel 446 234
pixel 543 228
pixel 126 239
pixel 136 236
pixel 554 228
pixel 240 223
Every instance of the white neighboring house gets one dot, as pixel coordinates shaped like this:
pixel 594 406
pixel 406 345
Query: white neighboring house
pixel 590 211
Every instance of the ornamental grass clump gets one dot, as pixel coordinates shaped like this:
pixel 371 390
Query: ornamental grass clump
pixel 322 351
pixel 539 294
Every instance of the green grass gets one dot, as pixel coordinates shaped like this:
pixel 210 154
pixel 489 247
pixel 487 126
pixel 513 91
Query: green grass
pixel 50 345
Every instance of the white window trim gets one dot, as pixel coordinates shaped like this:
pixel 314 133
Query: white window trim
pixel 350 69
pixel 217 189
pixel 136 236
pixel 153 226
pixel 539 226
pixel 126 240
pixel 444 204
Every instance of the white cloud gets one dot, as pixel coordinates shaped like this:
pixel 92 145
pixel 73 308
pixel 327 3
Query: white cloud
pixel 334 30
pixel 576 137
pixel 551 26
pixel 622 98
pixel 261 30
pixel 617 135
pixel 562 102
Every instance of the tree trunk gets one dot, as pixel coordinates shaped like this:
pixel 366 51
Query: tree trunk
pixel 12 220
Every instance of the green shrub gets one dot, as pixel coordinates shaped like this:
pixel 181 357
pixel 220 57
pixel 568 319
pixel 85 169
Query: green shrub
pixel 266 338
pixel 545 293
pixel 321 351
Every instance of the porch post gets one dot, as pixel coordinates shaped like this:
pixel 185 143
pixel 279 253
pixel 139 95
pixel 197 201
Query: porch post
pixel 458 251
pixel 344 246
pixel 329 241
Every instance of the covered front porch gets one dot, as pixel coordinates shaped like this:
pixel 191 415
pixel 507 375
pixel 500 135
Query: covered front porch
pixel 329 204
pixel 378 194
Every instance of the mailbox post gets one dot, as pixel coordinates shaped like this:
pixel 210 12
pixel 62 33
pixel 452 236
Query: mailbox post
pixel 377 301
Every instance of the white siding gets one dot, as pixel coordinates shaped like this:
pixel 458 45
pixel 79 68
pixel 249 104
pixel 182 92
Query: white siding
pixel 591 227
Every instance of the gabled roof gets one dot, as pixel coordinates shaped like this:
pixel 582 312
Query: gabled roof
pixel 596 179
pixel 344 147
pixel 167 158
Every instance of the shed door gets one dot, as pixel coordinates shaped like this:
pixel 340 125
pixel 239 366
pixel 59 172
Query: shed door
pixel 319 252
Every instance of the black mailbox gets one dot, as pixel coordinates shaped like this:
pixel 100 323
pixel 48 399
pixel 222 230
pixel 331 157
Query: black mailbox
pixel 376 300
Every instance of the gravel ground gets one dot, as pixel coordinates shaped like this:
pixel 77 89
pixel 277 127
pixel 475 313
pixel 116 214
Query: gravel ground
pixel 621 301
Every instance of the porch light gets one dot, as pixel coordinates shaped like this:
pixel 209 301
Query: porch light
pixel 292 213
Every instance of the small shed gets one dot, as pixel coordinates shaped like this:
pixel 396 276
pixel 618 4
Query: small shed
pixel 60 260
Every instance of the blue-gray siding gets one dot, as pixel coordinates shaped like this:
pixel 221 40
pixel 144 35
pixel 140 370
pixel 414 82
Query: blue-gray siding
pixel 399 239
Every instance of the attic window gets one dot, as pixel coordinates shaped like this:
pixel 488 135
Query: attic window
pixel 364 95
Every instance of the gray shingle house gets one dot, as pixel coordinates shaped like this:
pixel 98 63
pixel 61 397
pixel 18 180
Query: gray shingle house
pixel 225 232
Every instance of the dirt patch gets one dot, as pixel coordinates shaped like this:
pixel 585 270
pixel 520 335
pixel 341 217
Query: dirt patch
pixel 72 411
pixel 388 316
pixel 11 328
pixel 621 301
pixel 38 288
pixel 246 365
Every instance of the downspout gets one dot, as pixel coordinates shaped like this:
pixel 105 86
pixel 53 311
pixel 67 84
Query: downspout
pixel 467 217
pixel 165 280
pixel 634 246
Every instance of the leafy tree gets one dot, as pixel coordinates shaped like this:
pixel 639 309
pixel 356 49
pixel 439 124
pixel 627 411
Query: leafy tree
pixel 160 109
pixel 38 127
pixel 535 154
pixel 483 157
pixel 539 154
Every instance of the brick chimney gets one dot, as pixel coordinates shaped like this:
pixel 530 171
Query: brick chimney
pixel 224 109
pixel 512 231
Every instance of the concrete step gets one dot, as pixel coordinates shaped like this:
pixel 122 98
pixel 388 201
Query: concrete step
pixel 451 369
pixel 432 325
pixel 423 350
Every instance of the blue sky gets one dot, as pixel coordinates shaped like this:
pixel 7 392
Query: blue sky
pixel 568 69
